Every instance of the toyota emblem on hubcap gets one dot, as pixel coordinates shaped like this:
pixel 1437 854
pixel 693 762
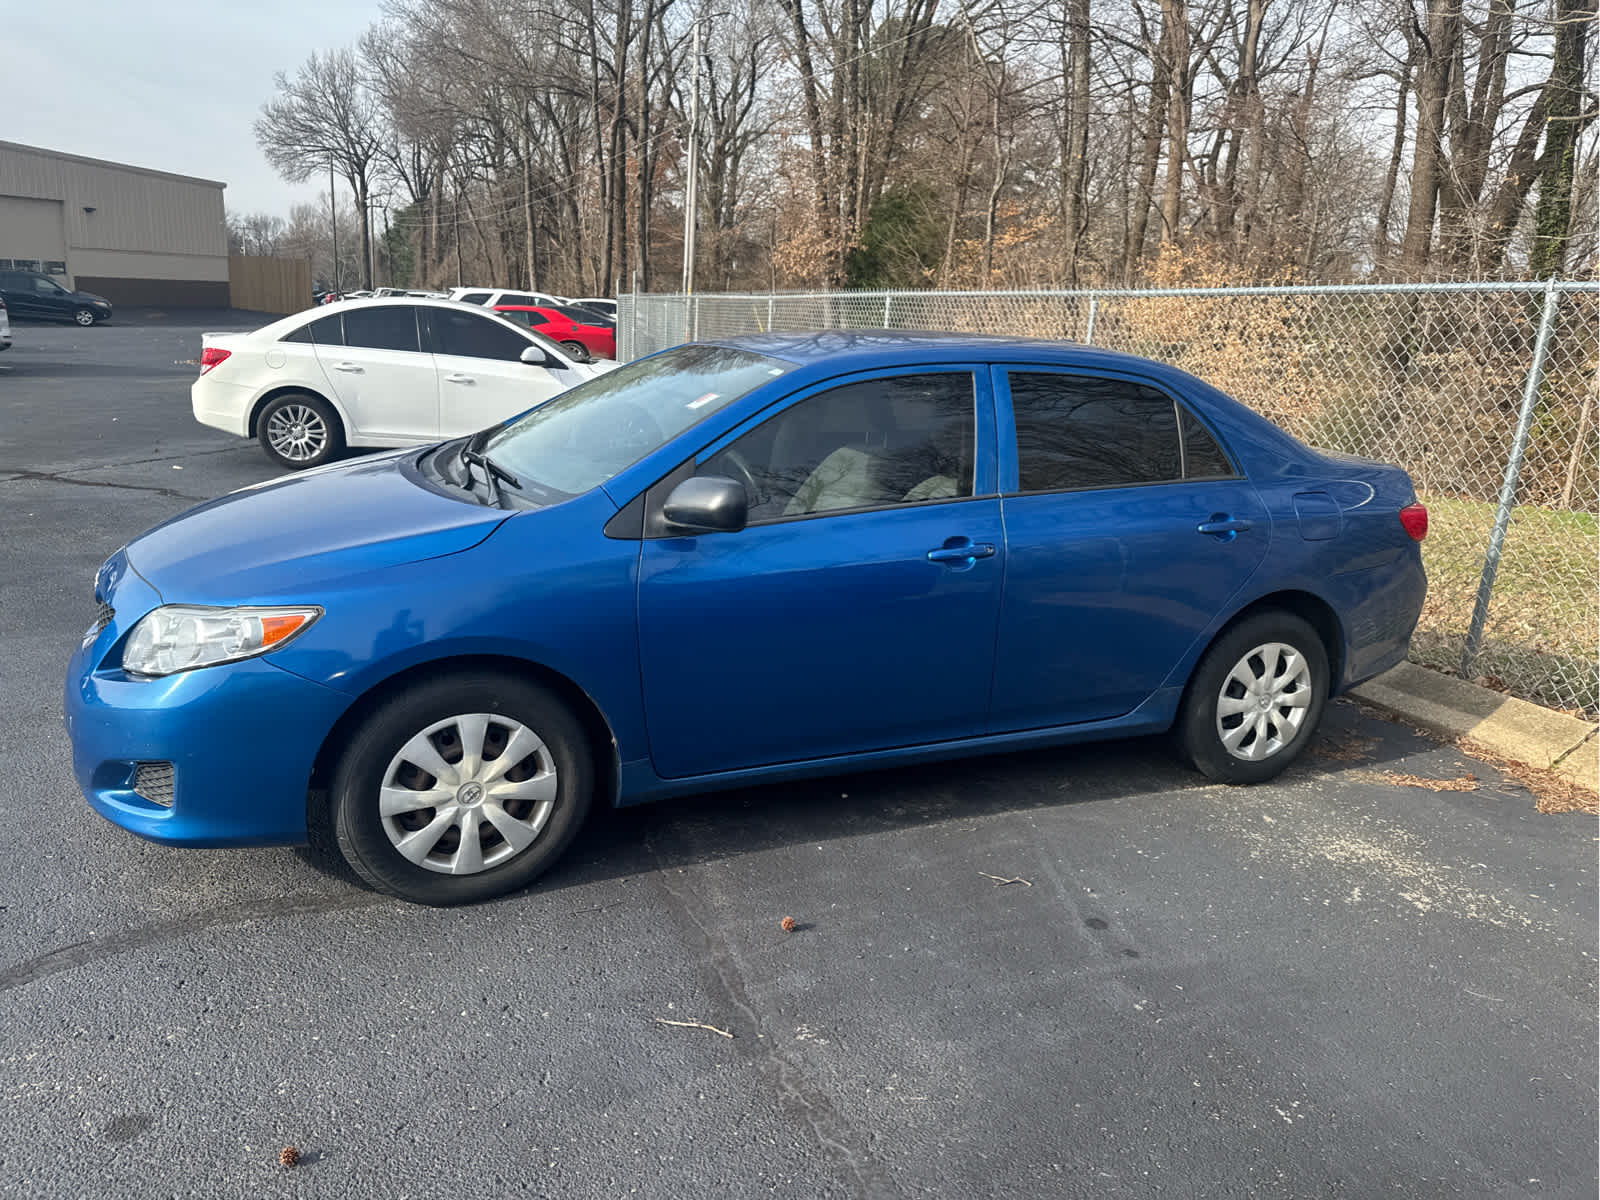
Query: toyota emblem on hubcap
pixel 470 794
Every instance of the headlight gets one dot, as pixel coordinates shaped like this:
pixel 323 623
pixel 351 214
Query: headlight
pixel 182 637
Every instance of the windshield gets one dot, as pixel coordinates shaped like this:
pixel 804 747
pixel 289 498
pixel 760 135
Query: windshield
pixel 585 436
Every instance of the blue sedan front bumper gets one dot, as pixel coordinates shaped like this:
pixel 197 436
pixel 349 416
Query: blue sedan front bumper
pixel 241 739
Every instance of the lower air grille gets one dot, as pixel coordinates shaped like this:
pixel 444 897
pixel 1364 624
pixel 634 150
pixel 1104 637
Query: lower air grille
pixel 102 618
pixel 153 781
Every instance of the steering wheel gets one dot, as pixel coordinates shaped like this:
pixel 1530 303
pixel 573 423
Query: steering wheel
pixel 743 473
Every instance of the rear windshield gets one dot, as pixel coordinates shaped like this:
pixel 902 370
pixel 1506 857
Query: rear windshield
pixel 585 436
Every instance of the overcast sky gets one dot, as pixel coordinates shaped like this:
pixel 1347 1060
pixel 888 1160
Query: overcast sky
pixel 169 84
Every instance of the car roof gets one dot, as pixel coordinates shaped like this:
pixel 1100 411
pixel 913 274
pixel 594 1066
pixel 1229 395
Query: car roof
pixel 865 348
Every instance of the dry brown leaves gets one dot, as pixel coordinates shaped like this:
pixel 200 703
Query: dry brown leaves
pixel 1346 749
pixel 1552 792
pixel 1462 783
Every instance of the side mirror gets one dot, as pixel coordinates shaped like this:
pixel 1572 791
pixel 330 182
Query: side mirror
pixel 707 504
pixel 535 356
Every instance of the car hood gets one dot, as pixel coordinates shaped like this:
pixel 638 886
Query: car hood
pixel 278 539
pixel 89 296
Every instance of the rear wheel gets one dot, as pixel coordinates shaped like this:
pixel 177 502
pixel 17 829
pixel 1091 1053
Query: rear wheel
pixel 578 351
pixel 462 790
pixel 299 430
pixel 1255 699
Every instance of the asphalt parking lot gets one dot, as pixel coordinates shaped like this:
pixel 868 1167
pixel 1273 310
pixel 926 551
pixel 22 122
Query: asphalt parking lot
pixel 1339 984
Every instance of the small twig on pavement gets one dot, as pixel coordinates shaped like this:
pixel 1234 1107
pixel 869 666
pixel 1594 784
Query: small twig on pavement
pixel 694 1025
pixel 1001 881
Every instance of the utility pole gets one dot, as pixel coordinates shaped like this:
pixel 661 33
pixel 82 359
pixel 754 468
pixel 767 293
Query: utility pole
pixel 333 224
pixel 691 191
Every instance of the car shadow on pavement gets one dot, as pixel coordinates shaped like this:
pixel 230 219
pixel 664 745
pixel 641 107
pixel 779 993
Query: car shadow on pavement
pixel 712 826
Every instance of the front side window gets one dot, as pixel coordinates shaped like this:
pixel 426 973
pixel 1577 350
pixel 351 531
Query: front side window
pixel 382 327
pixel 587 434
pixel 874 444
pixel 1080 431
pixel 520 298
pixel 471 336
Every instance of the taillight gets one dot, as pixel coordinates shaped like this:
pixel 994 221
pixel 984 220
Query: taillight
pixel 1414 517
pixel 212 356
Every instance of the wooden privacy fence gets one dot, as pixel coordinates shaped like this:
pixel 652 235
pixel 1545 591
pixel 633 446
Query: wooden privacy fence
pixel 272 285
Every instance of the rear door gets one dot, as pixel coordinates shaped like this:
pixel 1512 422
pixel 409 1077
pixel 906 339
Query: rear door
pixel 1128 530
pixel 482 379
pixel 380 374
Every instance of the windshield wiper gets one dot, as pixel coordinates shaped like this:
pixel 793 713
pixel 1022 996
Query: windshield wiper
pixel 493 472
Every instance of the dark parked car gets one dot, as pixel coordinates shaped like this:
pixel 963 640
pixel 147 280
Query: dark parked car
pixel 29 294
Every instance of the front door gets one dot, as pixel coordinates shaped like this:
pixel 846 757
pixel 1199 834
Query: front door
pixel 482 378
pixel 1110 579
pixel 373 359
pixel 857 610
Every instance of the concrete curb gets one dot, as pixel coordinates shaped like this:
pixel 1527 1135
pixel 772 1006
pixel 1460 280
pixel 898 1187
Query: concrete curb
pixel 1516 729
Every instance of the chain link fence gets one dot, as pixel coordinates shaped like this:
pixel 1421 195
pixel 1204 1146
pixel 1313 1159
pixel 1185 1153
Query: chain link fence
pixel 1485 393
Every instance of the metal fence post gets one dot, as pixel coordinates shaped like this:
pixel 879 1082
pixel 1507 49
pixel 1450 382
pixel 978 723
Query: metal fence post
pixel 1508 490
pixel 1088 333
pixel 770 311
pixel 888 298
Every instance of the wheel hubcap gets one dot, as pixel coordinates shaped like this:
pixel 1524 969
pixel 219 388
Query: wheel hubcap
pixel 297 432
pixel 1264 701
pixel 468 793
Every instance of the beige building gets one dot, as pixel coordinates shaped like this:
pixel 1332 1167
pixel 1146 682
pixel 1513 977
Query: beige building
pixel 132 235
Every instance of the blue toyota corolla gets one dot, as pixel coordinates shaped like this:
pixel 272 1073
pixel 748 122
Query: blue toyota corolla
pixel 751 560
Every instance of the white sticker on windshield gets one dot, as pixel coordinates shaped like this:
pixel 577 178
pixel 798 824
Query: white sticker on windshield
pixel 703 401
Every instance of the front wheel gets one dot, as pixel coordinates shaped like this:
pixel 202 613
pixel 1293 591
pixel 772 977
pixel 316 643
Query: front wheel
pixel 1255 699
pixel 84 317
pixel 299 430
pixel 461 790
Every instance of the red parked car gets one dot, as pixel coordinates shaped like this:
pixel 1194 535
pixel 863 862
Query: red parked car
pixel 575 328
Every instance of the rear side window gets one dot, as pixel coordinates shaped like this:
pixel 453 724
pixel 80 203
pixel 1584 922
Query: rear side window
pixel 382 327
pixel 473 298
pixel 1202 457
pixel 327 331
pixel 1079 431
pixel 303 334
pixel 472 336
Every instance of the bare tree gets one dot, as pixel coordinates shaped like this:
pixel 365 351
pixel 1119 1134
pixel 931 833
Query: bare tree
pixel 326 117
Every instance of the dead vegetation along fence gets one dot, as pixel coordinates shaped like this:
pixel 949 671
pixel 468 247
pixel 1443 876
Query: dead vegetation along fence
pixel 1485 393
pixel 259 283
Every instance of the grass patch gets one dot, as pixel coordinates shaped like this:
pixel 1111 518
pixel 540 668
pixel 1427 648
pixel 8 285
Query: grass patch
pixel 1543 626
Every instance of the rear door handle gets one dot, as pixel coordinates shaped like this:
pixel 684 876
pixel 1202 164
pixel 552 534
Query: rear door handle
pixel 460 378
pixel 349 368
pixel 965 551
pixel 1223 526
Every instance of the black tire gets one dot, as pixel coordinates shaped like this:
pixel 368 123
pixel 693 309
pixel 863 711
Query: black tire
pixel 323 444
pixel 85 317
pixel 1199 731
pixel 360 830
pixel 578 351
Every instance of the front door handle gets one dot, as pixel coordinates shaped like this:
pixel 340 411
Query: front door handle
pixel 349 368
pixel 961 550
pixel 459 378
pixel 1221 525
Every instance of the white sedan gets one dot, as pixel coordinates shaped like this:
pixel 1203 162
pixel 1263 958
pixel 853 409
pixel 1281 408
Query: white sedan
pixel 401 372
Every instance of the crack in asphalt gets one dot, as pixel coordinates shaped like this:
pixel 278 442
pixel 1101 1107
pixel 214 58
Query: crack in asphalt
pixel 78 954
pixel 801 1098
pixel 48 477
